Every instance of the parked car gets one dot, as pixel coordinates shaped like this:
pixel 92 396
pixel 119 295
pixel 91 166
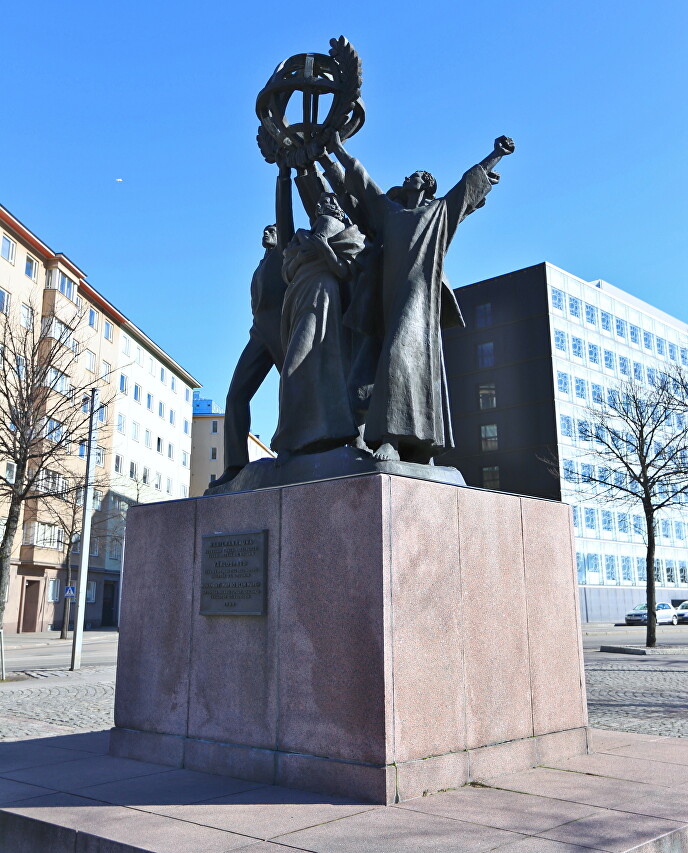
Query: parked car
pixel 682 612
pixel 665 614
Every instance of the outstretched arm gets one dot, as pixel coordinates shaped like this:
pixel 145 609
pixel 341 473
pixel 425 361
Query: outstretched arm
pixel 310 184
pixel 283 208
pixel 503 146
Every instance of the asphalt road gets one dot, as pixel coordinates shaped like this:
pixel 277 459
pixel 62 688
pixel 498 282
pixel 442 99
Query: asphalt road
pixel 47 652
pixel 605 634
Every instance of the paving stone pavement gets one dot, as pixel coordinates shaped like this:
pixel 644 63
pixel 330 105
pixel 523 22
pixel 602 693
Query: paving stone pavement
pixel 645 695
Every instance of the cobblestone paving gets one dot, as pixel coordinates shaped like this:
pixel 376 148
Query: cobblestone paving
pixel 649 696
pixel 57 702
pixel 646 695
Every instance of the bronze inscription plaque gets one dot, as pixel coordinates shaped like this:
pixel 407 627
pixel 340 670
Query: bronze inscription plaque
pixel 234 574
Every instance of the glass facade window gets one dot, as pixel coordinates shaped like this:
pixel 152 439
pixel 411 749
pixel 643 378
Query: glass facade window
pixel 671 572
pixel 557 299
pixel 635 335
pixel 563 382
pixel 590 314
pixel 659 572
pixel 483 315
pixel 666 529
pixel 584 430
pixel 673 352
pixel 620 327
pixel 620 479
pixel 609 359
pixel 581 389
pixel 651 375
pixel 577 347
pixel 637 371
pixel 682 571
pixel 627 569
pixel 590 518
pixel 576 516
pixel 485 354
pixel 580 567
pixel 661 346
pixel 610 569
pixel 487 396
pixel 638 525
pixel 574 307
pixel 491 477
pixel 684 356
pixel 566 425
pixel 587 472
pixel 596 393
pixel 594 565
pixel 560 340
pixel 607 521
pixel 594 353
pixel 570 470
pixel 641 568
pixel 606 321
pixel 680 530
pixel 624 365
pixel 647 341
pixel 624 522
pixel 489 439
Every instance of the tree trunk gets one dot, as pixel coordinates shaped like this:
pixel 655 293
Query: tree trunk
pixel 67 606
pixel 6 552
pixel 651 638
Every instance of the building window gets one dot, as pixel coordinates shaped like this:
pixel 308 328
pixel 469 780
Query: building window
pixel 652 375
pixel 213 453
pixel 577 347
pixel 8 248
pixel 168 486
pixel 184 491
pixel 584 431
pixel 173 383
pixel 91 585
pixel 100 455
pixel 607 521
pixel 173 417
pixel 149 402
pixel 137 392
pixel 641 567
pixel 170 451
pixel 626 570
pixel 684 356
pixel 488 437
pixel 124 383
pixel 560 340
pixel 624 522
pixel 26 317
pixel 596 393
pixel 135 430
pixel 159 445
pixel 54 589
pixel 606 321
pixel 161 409
pixel 610 569
pixel 186 427
pixel 119 463
pixel 115 550
pixel 590 518
pixel 637 371
pixel 163 375
pixel 4 302
pixel 673 352
pixel 139 355
pixel 93 318
pixel 54 430
pixel 580 567
pixel 158 481
pixel 647 341
pixel 213 427
pixel 148 439
pixel 187 395
pixel 487 396
pixel 133 470
pixel 624 365
pixel 566 425
pixel 569 467
pixel 185 459
pixel 587 472
pixel 638 525
pixel 557 299
pixel 90 361
pixel 574 307
pixel 609 360
pixel 107 370
pixel 31 268
pixel 486 354
pixel 483 315
pixel 594 353
pixel 661 346
pixel 590 314
pixel 620 328
pixel 107 330
pixel 671 572
pixel 121 423
pixel 145 477
pixel 97 500
pixel 680 530
pixel 563 382
pixel 491 477
pixel 581 388
pixel 213 477
pixel 126 345
pixel 635 335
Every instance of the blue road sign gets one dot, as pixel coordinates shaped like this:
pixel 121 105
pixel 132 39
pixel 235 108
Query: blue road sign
pixel 70 592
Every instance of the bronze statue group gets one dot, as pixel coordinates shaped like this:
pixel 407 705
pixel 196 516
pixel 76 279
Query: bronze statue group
pixel 351 311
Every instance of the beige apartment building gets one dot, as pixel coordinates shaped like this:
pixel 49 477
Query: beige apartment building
pixel 207 447
pixel 143 449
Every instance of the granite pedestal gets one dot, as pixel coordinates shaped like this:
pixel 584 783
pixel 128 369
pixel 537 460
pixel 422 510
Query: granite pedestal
pixel 417 636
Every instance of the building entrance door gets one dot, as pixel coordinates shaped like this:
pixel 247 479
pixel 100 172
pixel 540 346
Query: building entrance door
pixel 32 592
pixel 108 616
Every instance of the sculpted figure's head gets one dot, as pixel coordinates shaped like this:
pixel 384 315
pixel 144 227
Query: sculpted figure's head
pixel 421 181
pixel 269 236
pixel 329 206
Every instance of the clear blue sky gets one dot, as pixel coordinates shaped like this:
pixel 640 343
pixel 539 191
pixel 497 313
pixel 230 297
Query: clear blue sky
pixel 162 95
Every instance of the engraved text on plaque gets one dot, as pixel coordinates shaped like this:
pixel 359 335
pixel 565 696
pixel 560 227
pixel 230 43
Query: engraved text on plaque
pixel 234 574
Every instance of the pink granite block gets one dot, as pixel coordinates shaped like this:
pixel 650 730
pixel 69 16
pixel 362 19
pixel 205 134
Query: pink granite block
pixel 602 740
pixel 498 702
pixel 332 680
pixel 557 680
pixel 147 746
pixel 625 767
pixel 233 675
pixel 558 745
pixel 361 782
pixel 419 778
pixel 618 832
pixel 244 762
pixel 23 834
pixel 490 761
pixel 658 750
pixel 426 618
pixel 152 690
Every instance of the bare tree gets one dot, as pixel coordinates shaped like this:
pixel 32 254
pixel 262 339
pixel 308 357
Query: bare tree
pixel 638 438
pixel 44 413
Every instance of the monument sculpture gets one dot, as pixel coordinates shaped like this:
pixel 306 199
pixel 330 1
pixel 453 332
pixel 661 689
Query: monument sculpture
pixel 325 622
pixel 363 298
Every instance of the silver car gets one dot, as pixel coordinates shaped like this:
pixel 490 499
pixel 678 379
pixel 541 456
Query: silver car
pixel 682 612
pixel 665 614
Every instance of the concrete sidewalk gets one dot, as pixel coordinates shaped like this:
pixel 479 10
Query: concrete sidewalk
pixel 66 795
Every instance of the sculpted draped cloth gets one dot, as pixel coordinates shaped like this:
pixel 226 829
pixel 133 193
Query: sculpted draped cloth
pixel 409 399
